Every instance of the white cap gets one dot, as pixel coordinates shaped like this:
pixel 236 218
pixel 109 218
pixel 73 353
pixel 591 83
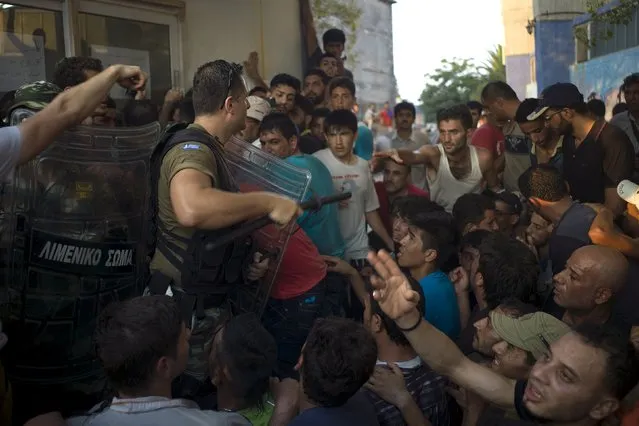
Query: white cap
pixel 628 191
pixel 258 108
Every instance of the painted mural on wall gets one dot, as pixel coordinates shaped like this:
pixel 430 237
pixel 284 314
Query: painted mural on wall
pixel 603 76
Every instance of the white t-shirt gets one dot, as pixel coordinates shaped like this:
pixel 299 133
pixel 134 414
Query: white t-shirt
pixel 10 143
pixel 356 179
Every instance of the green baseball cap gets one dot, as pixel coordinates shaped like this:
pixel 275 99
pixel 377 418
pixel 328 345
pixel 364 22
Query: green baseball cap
pixel 532 333
pixel 35 96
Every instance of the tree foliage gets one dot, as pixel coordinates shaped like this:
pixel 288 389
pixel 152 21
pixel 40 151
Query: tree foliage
pixel 343 14
pixel 602 23
pixel 459 81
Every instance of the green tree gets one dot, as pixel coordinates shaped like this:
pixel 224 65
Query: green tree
pixel 450 84
pixel 602 24
pixel 343 14
pixel 459 81
pixel 492 69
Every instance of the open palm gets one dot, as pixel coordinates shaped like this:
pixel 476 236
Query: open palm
pixel 392 291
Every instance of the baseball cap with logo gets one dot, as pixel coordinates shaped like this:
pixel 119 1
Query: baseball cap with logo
pixel 35 96
pixel 258 108
pixel 532 333
pixel 559 95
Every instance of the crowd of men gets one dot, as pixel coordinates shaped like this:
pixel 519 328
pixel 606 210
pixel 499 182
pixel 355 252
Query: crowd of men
pixel 488 277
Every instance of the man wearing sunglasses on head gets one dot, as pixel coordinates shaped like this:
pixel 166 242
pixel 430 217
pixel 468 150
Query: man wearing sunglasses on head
pixel 597 155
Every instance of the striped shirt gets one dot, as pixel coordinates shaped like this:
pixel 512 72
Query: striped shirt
pixel 427 388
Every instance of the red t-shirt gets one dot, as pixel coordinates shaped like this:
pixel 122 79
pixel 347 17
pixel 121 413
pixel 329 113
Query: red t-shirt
pixel 489 137
pixel 384 202
pixel 301 268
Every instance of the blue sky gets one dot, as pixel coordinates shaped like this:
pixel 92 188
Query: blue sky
pixel 427 31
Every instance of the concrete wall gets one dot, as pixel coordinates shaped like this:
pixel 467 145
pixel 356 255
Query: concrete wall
pixel 518 73
pixel 373 71
pixel 554 51
pixel 519 46
pixel 604 75
pixel 230 29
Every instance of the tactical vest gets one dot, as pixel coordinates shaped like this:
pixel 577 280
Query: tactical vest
pixel 203 271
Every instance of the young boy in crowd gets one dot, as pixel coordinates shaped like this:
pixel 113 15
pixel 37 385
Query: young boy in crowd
pixel 351 173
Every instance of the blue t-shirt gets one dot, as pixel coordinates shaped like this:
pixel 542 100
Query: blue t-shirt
pixel 357 411
pixel 364 146
pixel 322 226
pixel 442 310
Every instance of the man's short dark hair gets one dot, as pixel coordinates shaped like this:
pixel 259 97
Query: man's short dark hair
pixel 70 72
pixel 473 239
pixel 630 80
pixel 131 337
pixel 286 80
pixel 318 72
pixel 508 269
pixel 498 89
pixel 339 358
pixel 334 35
pixel 437 232
pixel 257 89
pixel 470 209
pixel 405 106
pixel 321 113
pixel 140 113
pixel 327 55
pixel 280 122
pixel 213 83
pixel 456 112
pixel 543 181
pixel 344 83
pixel 474 105
pixel 249 353
pixel 622 360
pixel 339 119
pixel 394 333
pixel 597 107
pixel 413 205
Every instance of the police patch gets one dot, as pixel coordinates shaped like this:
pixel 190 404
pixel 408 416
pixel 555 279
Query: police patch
pixel 190 146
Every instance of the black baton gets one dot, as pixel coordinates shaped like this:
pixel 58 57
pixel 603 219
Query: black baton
pixel 249 228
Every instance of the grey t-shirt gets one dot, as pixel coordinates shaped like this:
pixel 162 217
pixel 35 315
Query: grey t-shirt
pixel 517 151
pixel 357 179
pixel 10 143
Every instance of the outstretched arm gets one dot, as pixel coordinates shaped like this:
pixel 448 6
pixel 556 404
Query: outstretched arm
pixel 396 298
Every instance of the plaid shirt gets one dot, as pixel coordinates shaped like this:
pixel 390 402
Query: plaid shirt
pixel 428 390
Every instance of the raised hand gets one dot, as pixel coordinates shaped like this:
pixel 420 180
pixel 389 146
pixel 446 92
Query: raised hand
pixel 393 154
pixel 392 290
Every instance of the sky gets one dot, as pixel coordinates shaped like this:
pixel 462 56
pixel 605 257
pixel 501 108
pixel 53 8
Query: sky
pixel 427 31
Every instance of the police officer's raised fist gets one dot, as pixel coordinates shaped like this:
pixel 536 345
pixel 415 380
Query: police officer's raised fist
pixel 283 210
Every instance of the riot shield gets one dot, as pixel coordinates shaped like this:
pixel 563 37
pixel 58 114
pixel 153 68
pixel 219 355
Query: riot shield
pixel 254 170
pixel 75 219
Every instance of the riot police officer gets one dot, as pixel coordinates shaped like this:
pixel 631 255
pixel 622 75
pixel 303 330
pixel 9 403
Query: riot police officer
pixel 197 201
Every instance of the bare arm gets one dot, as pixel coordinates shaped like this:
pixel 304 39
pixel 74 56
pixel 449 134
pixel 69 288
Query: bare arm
pixel 443 356
pixel 71 107
pixel 603 232
pixel 487 166
pixel 378 227
pixel 198 205
pixel 614 201
pixel 411 412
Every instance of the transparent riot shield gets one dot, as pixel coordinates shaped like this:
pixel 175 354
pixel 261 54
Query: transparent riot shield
pixel 74 219
pixel 255 170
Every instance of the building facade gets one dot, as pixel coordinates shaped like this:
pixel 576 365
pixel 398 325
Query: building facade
pixel 519 46
pixel 373 67
pixel 168 38
pixel 599 70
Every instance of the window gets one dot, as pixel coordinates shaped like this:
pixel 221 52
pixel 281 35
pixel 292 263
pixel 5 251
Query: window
pixel 621 37
pixel 135 42
pixel 31 42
